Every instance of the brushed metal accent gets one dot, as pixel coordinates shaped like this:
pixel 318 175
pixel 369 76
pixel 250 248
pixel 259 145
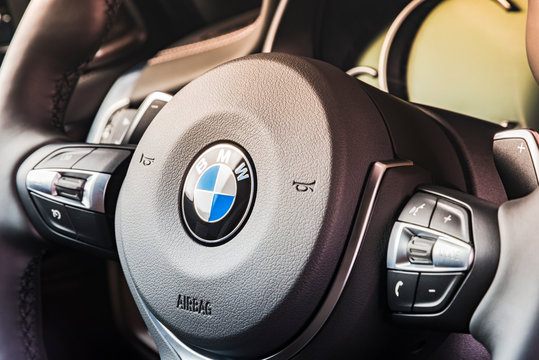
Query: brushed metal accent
pixel 43 182
pixel 448 254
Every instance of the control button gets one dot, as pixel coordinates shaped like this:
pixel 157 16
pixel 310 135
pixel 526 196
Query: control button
pixel 434 291
pixel 451 219
pixel 64 158
pixel 91 227
pixel 145 119
pixel 54 214
pixel 401 290
pixel 70 187
pixel 515 166
pixel 419 209
pixel 420 250
pixel 454 254
pixel 102 160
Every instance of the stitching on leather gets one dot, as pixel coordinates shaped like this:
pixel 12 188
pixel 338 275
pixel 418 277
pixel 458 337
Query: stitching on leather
pixel 28 308
pixel 65 86
pixel 63 89
pixel 112 9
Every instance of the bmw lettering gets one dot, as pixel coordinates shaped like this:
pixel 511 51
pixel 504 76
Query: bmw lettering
pixel 218 193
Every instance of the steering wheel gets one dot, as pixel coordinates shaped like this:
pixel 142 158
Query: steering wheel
pixel 274 208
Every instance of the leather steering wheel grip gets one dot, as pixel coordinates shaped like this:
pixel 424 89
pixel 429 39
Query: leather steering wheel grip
pixel 52 45
pixel 506 319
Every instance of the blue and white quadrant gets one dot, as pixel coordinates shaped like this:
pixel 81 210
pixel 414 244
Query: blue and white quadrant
pixel 215 193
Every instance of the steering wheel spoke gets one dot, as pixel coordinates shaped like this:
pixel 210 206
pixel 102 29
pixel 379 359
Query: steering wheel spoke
pixel 442 256
pixel 506 319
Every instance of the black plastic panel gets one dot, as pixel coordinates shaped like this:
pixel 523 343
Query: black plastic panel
pixel 104 160
pixel 65 158
pixel 434 291
pixel 515 165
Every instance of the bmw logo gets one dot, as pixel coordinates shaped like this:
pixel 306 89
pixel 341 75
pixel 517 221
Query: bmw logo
pixel 218 193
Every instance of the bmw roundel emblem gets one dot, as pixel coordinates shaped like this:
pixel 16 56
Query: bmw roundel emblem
pixel 218 193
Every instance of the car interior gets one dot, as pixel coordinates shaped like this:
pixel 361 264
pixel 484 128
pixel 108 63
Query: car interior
pixel 269 179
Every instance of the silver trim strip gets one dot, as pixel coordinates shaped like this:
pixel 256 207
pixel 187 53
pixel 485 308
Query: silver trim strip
pixel 183 351
pixel 142 110
pixel 343 273
pixel 43 182
pixel 388 42
pixel 352 250
pixel 363 70
pixel 530 137
pixel 274 26
pixel 506 5
pixel 448 255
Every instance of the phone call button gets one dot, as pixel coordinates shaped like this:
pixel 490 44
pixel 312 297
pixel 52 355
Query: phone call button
pixel 401 287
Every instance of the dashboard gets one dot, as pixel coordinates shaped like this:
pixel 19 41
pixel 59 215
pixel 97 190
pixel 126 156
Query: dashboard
pixel 467 56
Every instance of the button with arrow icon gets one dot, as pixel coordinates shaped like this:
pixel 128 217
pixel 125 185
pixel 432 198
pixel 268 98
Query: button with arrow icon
pixel 419 209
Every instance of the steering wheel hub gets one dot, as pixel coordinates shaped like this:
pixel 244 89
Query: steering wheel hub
pixel 277 255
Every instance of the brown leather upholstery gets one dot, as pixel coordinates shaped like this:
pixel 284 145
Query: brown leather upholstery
pixel 532 37
pixel 52 45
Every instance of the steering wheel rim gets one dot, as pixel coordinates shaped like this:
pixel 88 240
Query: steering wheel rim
pixel 33 99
